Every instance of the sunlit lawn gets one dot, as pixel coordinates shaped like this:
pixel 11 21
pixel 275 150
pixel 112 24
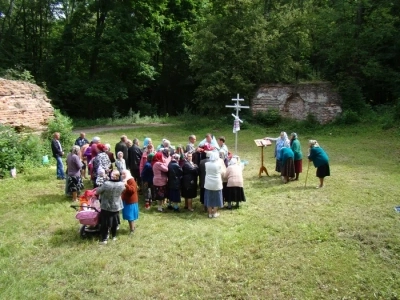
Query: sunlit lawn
pixel 286 242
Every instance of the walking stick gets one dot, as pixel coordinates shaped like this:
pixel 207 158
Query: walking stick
pixel 308 168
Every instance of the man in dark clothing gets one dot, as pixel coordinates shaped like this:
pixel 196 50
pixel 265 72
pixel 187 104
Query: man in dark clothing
pixel 81 140
pixel 121 146
pixel 202 176
pixel 58 154
pixel 134 157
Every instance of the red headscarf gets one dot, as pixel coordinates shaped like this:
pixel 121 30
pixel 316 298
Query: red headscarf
pixel 101 147
pixel 157 158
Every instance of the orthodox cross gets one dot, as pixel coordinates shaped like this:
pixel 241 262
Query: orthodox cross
pixel 237 121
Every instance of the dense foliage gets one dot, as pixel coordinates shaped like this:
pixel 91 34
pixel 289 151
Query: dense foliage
pixel 20 151
pixel 102 58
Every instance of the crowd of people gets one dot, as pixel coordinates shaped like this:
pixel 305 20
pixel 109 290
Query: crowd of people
pixel 165 175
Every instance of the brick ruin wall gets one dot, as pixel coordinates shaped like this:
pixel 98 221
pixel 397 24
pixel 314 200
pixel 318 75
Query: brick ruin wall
pixel 297 101
pixel 24 105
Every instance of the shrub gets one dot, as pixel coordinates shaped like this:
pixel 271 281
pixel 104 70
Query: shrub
pixel 310 122
pixel 352 96
pixel 63 125
pixel 19 150
pixel 348 117
pixel 17 74
pixel 9 153
pixel 396 111
pixel 269 118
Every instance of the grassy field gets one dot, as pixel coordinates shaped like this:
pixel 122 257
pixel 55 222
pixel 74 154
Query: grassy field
pixel 286 242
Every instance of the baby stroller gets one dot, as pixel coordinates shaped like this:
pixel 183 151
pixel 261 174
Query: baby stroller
pixel 88 213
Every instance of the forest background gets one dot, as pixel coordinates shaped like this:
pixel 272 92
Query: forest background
pixel 102 58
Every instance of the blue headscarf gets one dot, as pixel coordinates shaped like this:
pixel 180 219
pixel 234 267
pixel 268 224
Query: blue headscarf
pixel 146 141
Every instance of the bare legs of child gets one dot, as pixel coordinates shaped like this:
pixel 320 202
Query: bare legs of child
pixel 131 227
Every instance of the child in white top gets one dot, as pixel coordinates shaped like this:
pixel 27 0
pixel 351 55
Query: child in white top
pixel 101 177
pixel 120 162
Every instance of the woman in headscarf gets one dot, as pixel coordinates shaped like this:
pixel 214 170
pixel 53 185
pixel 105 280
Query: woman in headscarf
pixel 287 169
pixel 189 181
pixel 320 160
pixel 234 188
pixel 298 154
pixel 174 182
pixel 147 180
pixel 281 141
pixel 149 149
pixel 213 185
pixel 100 161
pixel 224 164
pixel 111 204
pixel 147 141
pixel 129 196
pixel 160 179
pixel 74 165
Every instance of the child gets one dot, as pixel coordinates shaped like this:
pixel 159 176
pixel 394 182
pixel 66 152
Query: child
pixel 101 177
pixel 129 196
pixel 147 179
pixel 120 162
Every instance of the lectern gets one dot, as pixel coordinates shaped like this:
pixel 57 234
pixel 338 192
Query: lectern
pixel 262 143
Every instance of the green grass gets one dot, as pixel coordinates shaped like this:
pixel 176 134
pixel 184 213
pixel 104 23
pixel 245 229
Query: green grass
pixel 285 242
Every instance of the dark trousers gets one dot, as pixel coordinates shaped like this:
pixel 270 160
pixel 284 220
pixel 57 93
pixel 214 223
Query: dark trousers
pixel 202 195
pixel 108 219
pixel 136 174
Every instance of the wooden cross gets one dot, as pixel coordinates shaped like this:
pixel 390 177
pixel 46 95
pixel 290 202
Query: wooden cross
pixel 237 107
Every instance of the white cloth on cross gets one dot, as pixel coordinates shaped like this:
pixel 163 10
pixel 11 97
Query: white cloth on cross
pixel 236 124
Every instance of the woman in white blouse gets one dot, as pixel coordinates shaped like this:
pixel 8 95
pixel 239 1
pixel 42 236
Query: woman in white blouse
pixel 213 185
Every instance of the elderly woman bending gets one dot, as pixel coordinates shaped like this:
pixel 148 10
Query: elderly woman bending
pixel 281 141
pixel 320 160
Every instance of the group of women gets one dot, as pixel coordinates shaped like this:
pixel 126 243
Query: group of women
pixel 289 158
pixel 166 175
pixel 174 173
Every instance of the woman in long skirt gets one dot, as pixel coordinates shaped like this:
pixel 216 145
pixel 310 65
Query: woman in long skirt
pixel 189 181
pixel 213 185
pixel 287 168
pixel 234 187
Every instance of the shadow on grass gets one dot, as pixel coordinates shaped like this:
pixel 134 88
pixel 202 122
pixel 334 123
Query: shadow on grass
pixel 198 214
pixel 70 237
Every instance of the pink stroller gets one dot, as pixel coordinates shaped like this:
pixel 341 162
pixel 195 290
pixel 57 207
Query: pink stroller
pixel 88 213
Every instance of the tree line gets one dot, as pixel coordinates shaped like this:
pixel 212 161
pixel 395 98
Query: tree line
pixel 99 57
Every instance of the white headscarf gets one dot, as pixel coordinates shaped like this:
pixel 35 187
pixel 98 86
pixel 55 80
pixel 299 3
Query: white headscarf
pixel 285 139
pixel 233 161
pixel 214 156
